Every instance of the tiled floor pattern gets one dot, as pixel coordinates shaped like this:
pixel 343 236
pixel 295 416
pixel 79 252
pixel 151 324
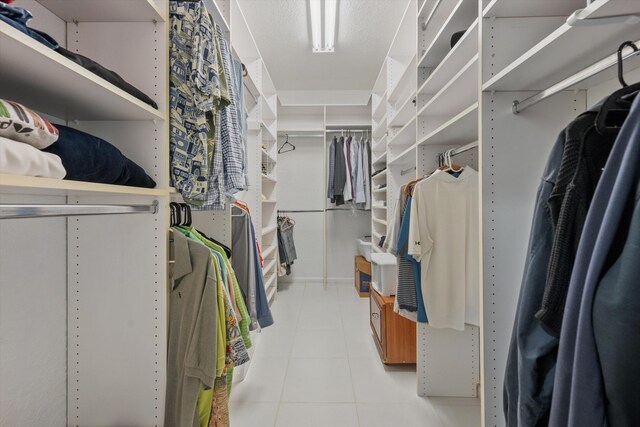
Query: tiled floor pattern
pixel 318 367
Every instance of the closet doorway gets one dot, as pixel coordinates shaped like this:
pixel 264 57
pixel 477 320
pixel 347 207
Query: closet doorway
pixel 325 233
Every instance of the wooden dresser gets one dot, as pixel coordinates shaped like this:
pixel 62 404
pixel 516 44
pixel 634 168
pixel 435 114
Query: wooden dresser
pixel 395 336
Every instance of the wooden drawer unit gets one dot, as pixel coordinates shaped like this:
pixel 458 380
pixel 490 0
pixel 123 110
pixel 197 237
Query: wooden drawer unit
pixel 395 336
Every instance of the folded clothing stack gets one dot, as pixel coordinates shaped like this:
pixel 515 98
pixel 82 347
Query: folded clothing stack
pixel 19 18
pixel 31 146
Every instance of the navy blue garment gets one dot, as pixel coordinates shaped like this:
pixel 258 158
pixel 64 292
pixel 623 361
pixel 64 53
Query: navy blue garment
pixel 528 382
pixel 18 18
pixel 110 76
pixel 89 158
pixel 579 396
pixel 616 321
pixel 262 302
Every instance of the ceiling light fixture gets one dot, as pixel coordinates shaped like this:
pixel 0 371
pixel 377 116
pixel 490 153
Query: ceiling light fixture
pixel 330 11
pixel 315 7
pixel 329 24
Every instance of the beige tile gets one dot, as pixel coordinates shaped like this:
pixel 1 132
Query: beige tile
pixel 318 380
pixel 317 415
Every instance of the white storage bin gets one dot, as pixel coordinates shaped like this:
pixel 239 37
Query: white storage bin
pixel 384 273
pixel 364 248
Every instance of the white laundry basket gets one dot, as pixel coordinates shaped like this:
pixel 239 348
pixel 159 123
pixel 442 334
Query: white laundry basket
pixel 384 273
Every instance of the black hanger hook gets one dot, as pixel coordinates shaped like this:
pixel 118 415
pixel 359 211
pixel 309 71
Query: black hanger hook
pixel 620 60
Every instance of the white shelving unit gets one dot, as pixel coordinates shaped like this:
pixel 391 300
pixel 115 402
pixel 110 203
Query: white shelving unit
pixel 510 50
pixel 98 305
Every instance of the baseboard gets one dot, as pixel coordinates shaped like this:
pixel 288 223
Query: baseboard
pixel 314 280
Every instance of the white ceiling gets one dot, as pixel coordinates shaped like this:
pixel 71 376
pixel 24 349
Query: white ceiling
pixel 365 30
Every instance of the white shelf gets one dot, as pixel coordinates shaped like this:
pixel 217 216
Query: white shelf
pixel 380 159
pixel 271 288
pixel 267 133
pixel 380 145
pixel 457 94
pixel 105 11
pixel 381 108
pixel 374 206
pixel 268 251
pixel 378 177
pixel 254 125
pixel 269 201
pixel 17 184
pixel 218 16
pixel 460 55
pixel 267 178
pixel 421 8
pixel 282 132
pixel 462 16
pixel 269 267
pixel 407 156
pixel 377 248
pixel 407 80
pixel 406 112
pixel 380 129
pixel 460 129
pixel 379 221
pixel 568 50
pixel 267 111
pixel 48 82
pixel 405 136
pixel 380 190
pixel 251 88
pixel 267 156
pixel 375 238
pixel 268 230
pixel 517 8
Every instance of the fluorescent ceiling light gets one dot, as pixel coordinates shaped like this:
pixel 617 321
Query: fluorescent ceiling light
pixel 330 10
pixel 315 7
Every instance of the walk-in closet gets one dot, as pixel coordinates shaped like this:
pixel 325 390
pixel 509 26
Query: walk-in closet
pixel 327 213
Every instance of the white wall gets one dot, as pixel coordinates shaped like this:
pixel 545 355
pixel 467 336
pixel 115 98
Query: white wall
pixel 342 230
pixel 301 187
pixel 33 348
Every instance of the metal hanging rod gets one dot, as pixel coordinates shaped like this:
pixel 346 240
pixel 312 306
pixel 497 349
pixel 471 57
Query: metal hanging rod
pixel 308 135
pixel 608 62
pixel 464 148
pixel 43 211
pixel 347 130
pixel 300 211
pixel 319 210
pixel 406 171
pixel 580 18
pixel 345 210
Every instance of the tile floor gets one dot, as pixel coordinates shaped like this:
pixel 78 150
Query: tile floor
pixel 318 367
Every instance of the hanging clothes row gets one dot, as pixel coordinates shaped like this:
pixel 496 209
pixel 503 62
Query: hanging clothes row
pixel 286 245
pixel 434 233
pixel 573 352
pixel 208 331
pixel 247 262
pixel 349 177
pixel 208 120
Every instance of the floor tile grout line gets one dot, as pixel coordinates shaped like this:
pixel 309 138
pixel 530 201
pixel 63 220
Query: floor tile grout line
pixel 286 371
pixel 353 385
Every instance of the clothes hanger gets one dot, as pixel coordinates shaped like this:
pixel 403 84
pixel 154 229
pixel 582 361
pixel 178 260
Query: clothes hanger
pixel 293 147
pixel 615 109
pixel 176 217
pixel 448 163
pixel 185 209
